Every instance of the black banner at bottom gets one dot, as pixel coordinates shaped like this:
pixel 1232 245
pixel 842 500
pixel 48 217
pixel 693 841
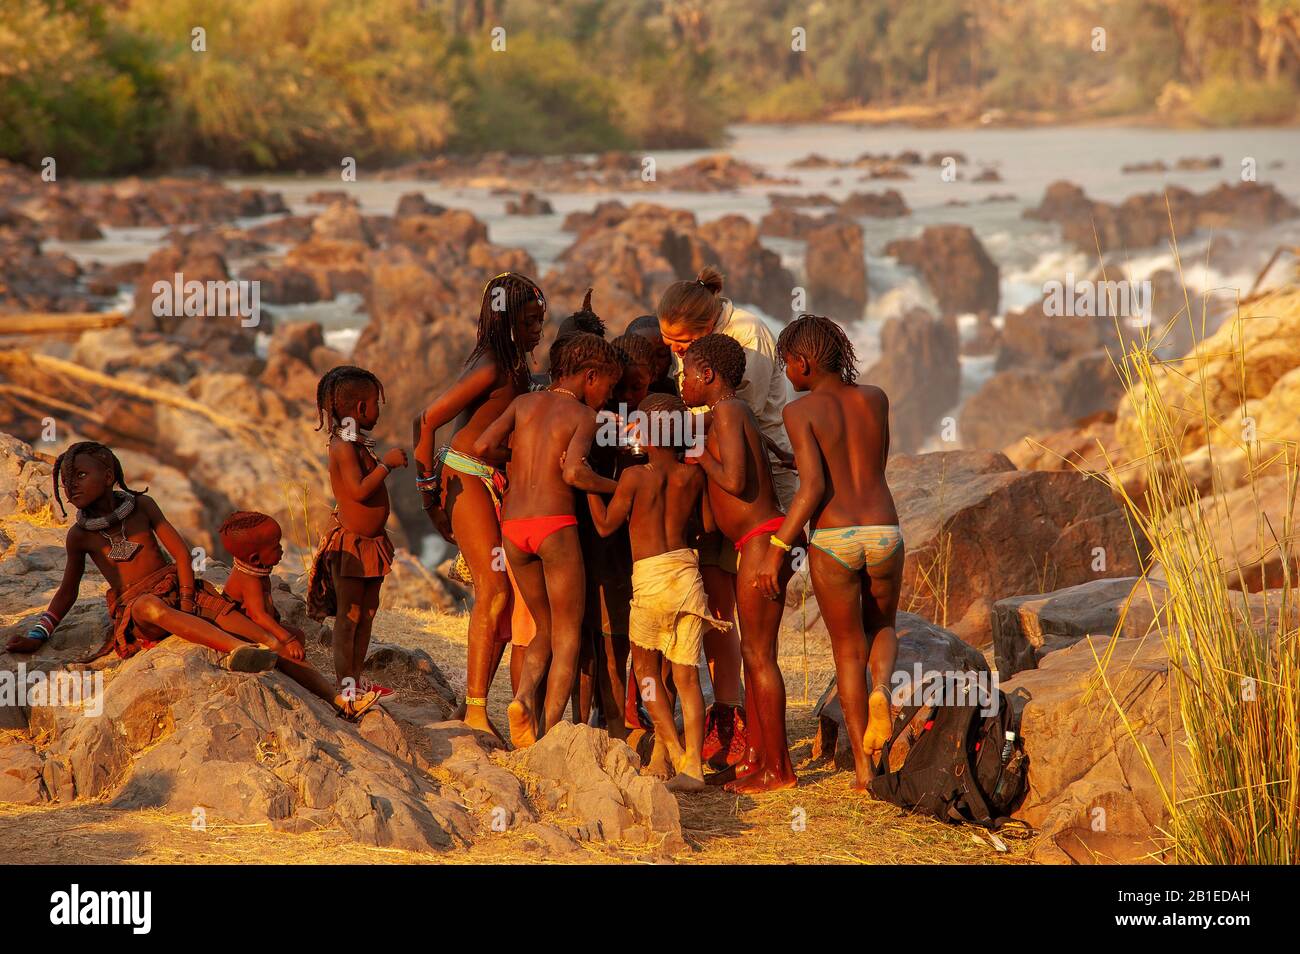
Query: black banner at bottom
pixel 347 903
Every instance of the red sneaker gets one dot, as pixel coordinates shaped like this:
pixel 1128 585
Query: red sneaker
pixel 725 737
pixel 365 685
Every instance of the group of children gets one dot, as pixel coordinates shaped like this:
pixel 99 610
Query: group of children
pixel 581 549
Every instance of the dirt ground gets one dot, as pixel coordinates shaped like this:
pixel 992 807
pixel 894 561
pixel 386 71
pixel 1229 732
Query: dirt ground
pixel 821 821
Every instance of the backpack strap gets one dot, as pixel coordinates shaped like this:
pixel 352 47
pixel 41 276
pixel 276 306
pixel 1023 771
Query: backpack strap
pixel 973 797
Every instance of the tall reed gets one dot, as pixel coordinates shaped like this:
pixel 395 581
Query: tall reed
pixel 1234 668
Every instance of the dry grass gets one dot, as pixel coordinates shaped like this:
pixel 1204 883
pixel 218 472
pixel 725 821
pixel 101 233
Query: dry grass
pixel 839 826
pixel 1234 795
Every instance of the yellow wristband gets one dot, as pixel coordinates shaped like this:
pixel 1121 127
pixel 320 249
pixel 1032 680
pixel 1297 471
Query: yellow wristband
pixel 778 542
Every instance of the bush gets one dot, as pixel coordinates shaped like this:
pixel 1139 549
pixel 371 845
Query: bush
pixel 792 101
pixel 300 82
pixel 538 96
pixel 67 90
pixel 1226 102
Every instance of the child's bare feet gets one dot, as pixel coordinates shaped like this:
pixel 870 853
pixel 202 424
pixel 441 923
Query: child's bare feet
pixel 250 658
pixel 658 765
pixel 689 777
pixel 521 725
pixel 879 723
pixel 23 644
pixel 682 782
pixel 761 780
pixel 476 717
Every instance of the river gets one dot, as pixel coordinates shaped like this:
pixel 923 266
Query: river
pixel 1027 252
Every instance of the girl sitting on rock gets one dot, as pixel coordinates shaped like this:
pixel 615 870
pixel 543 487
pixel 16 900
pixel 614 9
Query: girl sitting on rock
pixel 149 596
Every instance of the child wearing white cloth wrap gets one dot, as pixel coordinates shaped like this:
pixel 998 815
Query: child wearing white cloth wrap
pixel 669 610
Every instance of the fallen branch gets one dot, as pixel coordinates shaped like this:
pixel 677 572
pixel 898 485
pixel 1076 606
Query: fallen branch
pixel 43 362
pixel 58 323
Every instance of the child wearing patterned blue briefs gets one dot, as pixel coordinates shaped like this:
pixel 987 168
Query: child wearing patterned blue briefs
pixel 840 436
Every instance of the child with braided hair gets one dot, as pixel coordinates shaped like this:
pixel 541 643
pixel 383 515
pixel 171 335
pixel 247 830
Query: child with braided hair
pixel 642 356
pixel 355 553
pixel 552 431
pixel 124 533
pixel 461 492
pixel 840 435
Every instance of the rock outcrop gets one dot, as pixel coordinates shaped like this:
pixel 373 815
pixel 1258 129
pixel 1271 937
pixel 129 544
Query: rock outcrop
pixel 596 778
pixel 1027 628
pixel 1141 221
pixel 629 256
pixel 956 268
pixel 977 530
pixel 836 268
pixel 1239 386
pixel 1091 795
pixel 1020 402
pixel 920 370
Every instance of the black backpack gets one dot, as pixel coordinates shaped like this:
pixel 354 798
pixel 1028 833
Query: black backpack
pixel 956 764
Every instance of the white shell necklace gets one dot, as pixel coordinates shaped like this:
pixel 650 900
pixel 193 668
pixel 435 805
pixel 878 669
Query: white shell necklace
pixel 120 548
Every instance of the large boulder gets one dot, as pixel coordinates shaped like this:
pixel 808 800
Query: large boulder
pixel 879 205
pixel 630 255
pixel 754 274
pixel 1027 628
pixel 920 369
pixel 1253 532
pixel 597 780
pixel 296 358
pixel 159 311
pixel 181 733
pixel 1088 444
pixel 1020 402
pixel 956 268
pixel 1244 380
pixel 1091 795
pixel 977 530
pixel 836 267
pixel 32 279
pixel 924 651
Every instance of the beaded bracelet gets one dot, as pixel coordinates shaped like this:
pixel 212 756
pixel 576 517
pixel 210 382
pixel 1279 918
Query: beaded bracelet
pixel 44 627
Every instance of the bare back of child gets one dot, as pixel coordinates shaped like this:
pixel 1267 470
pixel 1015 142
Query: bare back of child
pixel 462 492
pixel 743 501
pixel 670 611
pixel 840 435
pixel 552 433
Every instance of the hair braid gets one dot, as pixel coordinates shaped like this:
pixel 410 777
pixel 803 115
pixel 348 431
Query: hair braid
pixel 341 380
pixel 823 342
pixel 101 453
pixel 496 326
